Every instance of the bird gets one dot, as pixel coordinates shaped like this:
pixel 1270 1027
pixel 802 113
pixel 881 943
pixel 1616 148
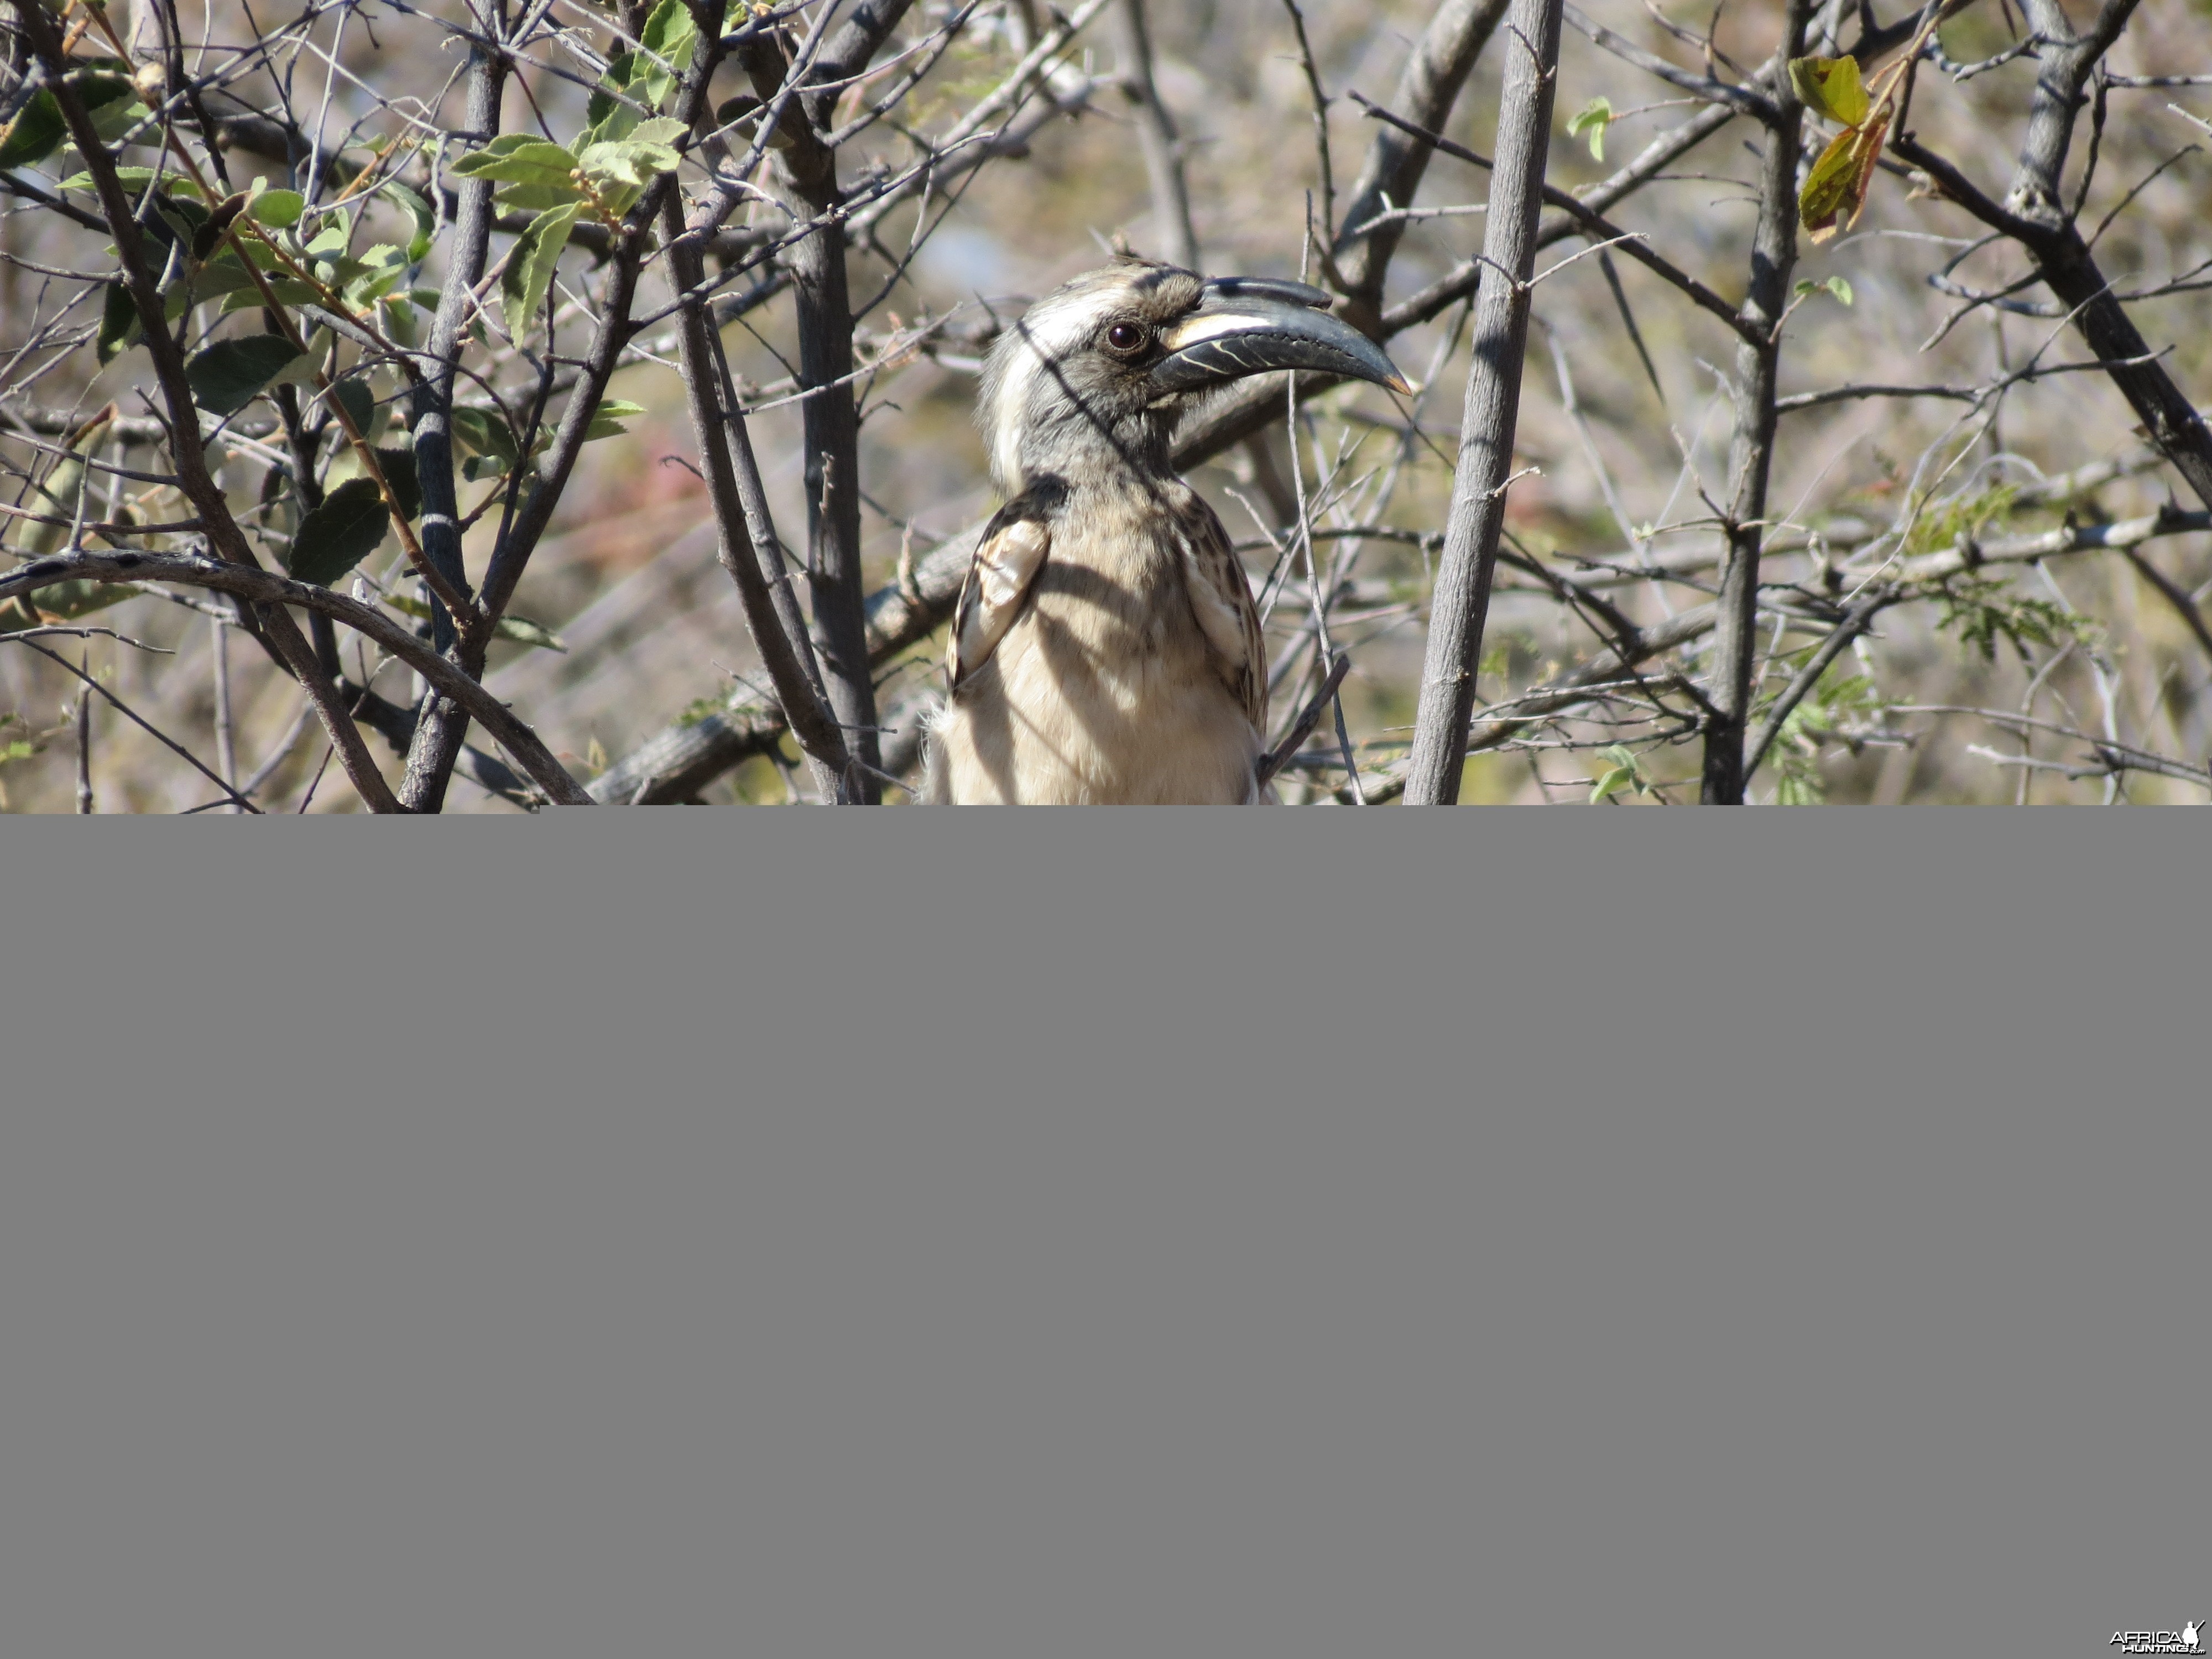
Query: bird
pixel 1106 648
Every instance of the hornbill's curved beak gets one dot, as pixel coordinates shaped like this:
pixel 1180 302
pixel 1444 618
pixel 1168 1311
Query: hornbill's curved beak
pixel 1250 324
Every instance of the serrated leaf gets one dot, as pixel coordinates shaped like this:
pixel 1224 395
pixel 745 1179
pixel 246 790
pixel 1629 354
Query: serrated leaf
pixel 288 291
pixel 607 419
pixel 228 374
pixel 426 221
pixel 120 326
pixel 110 102
pixel 669 34
pixel 538 198
pixel 280 209
pixel 334 238
pixel 340 533
pixel 1594 117
pixel 36 132
pixel 379 272
pixel 1830 86
pixel 530 265
pixel 135 180
pixel 532 162
pixel 628 161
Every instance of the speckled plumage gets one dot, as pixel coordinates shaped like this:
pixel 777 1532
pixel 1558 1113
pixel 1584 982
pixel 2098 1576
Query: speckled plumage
pixel 1107 647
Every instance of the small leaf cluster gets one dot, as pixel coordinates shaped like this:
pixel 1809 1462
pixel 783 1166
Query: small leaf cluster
pixel 110 97
pixel 1625 770
pixel 1981 609
pixel 1593 118
pixel 624 146
pixel 1795 759
pixel 1835 186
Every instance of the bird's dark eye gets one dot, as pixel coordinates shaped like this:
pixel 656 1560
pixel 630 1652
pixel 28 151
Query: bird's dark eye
pixel 1125 339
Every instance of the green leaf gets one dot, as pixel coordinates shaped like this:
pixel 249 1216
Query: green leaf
pixel 397 466
pixel 538 198
pixel 289 290
pixel 1839 287
pixel 1830 86
pixel 280 209
pixel 120 327
pixel 334 238
pixel 1626 770
pixel 36 132
pixel 224 274
pixel 606 116
pixel 634 160
pixel 425 220
pixel 135 180
pixel 66 601
pixel 607 419
pixel 340 533
pixel 173 221
pixel 381 269
pixel 225 376
pixel 669 34
pixel 533 161
pixel 112 102
pixel 359 401
pixel 628 161
pixel 1594 117
pixel 530 266
pixel 485 432
pixel 661 129
pixel 59 495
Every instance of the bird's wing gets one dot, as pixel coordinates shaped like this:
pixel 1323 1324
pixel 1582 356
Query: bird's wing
pixel 1222 599
pixel 1008 558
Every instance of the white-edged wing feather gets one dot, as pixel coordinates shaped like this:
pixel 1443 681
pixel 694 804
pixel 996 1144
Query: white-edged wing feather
pixel 1007 561
pixel 1221 598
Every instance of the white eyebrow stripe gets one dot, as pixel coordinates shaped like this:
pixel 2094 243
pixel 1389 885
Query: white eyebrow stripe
pixel 1047 332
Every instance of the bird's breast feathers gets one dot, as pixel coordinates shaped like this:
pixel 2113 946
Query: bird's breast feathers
pixel 1105 649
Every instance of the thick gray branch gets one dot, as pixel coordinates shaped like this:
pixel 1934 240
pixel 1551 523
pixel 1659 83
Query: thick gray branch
pixel 1482 476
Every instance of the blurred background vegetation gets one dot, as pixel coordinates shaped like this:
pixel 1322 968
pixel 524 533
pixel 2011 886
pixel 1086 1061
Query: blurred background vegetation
pixel 650 629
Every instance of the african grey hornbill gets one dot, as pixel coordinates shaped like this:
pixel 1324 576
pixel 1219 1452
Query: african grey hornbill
pixel 1106 646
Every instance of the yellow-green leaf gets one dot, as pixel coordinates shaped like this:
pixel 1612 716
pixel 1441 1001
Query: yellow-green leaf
pixel 1593 118
pixel 1830 86
pixel 1836 187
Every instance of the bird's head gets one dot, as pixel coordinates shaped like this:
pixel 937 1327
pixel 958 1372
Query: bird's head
pixel 1096 374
